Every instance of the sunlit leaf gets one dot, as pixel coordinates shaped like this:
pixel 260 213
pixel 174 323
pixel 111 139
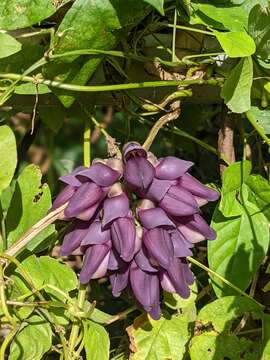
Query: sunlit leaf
pixel 9 45
pixel 33 341
pixel 237 87
pixel 236 43
pixel 8 156
pixel 96 342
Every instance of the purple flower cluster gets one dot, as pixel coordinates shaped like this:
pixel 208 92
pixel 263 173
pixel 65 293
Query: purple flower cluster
pixel 136 220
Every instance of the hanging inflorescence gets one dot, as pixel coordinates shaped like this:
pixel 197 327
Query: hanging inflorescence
pixel 136 220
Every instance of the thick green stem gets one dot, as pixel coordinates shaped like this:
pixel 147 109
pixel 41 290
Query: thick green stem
pixel 116 87
pixel 76 325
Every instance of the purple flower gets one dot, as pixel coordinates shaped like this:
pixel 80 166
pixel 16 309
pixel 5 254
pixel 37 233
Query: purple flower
pixel 144 249
pixel 138 171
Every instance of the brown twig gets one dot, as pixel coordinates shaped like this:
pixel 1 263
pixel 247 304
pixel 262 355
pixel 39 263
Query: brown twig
pixel 35 230
pixel 225 138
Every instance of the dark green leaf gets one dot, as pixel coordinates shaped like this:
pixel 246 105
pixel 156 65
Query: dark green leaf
pixel 33 341
pixel 9 45
pixel 237 87
pixel 266 337
pixel 236 43
pixel 79 29
pixel 258 27
pixel 96 342
pixel 8 156
pixel 165 338
pixel 30 202
pixel 53 117
pixel 157 4
pixel 15 14
pixel 239 248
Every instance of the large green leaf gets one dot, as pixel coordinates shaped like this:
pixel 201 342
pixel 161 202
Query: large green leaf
pixel 236 43
pixel 217 341
pixel 33 341
pixel 165 338
pixel 96 342
pixel 8 156
pixel 258 27
pixel 234 18
pixel 266 337
pixel 15 14
pixel 239 248
pixel 53 117
pixel 110 19
pixel 9 45
pixel 234 190
pixel 237 87
pixel 30 202
pixel 157 4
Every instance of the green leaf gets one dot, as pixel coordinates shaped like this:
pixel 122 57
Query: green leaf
pixel 57 274
pixel 9 45
pixel 157 4
pixel 33 341
pixel 224 311
pixel 262 117
pixel 53 117
pixel 266 337
pixel 8 156
pixel 259 193
pixel 234 18
pixel 30 202
pixel 237 87
pixel 186 306
pixel 101 317
pixel 258 27
pixel 218 342
pixel 165 338
pixel 31 89
pixel 239 248
pixel 233 188
pixel 16 14
pixel 111 19
pixel 211 346
pixel 236 43
pixel 96 342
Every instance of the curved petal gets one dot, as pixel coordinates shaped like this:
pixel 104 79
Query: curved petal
pixel 171 168
pixel 115 262
pixel 115 207
pixel 63 196
pixel 158 189
pixel 133 148
pixel 154 217
pixel 189 277
pixel 123 233
pixel 100 174
pixel 70 179
pixel 74 237
pixel 180 244
pixel 177 277
pixel 179 202
pixel 96 235
pixel 119 281
pixel 166 283
pixel 197 188
pixel 89 213
pixel 139 173
pixel 145 287
pixel 86 196
pixel 102 269
pixel 196 229
pixel 93 258
pixel 159 246
pixel 143 262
